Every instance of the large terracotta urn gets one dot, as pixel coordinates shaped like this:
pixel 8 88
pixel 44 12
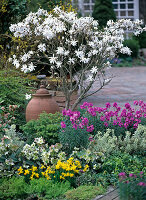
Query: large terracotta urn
pixel 41 101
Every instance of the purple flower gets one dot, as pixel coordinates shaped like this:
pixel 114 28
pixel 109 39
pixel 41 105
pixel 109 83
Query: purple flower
pixel 63 125
pixel 106 124
pixel 131 175
pixel 91 139
pixel 141 184
pixel 135 103
pixel 115 104
pixel 64 112
pixel 108 105
pixel 122 174
pixel 90 128
pixel 75 126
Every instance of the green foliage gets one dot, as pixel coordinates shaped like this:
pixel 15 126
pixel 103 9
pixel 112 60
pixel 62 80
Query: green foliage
pixel 12 188
pixel 91 178
pixel 119 162
pixel 84 192
pixel 17 188
pixel 103 11
pixel 141 39
pixel 10 149
pixel 133 45
pixel 47 126
pixel 14 11
pixel 13 88
pixel 71 138
pixel 34 5
pixel 46 188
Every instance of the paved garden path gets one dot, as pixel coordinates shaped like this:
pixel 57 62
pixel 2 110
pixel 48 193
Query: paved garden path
pixel 129 84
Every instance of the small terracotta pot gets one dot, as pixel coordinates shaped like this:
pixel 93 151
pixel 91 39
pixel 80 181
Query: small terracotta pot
pixel 41 101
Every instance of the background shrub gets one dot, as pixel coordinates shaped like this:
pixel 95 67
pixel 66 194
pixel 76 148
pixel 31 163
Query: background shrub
pixel 47 126
pixel 133 45
pixel 13 88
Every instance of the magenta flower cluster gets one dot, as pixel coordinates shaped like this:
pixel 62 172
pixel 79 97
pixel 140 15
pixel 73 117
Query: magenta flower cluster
pixel 126 117
pixel 76 120
pixel 123 177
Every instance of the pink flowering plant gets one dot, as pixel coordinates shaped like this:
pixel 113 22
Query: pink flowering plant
pixel 132 186
pixel 115 117
pixel 7 117
pixel 75 130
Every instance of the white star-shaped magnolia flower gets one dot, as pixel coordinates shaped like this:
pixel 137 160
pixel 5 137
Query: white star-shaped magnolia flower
pixel 79 53
pixel 71 61
pixel 42 47
pixel 58 64
pixel 53 59
pixel 31 67
pixel 73 43
pixel 84 60
pixel 27 96
pixel 90 78
pixel 16 63
pixel 94 70
pixel 60 51
pixel 24 68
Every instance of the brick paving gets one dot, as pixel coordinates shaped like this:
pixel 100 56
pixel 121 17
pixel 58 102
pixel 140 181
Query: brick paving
pixel 128 84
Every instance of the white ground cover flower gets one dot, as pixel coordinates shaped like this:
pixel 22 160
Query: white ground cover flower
pixel 73 46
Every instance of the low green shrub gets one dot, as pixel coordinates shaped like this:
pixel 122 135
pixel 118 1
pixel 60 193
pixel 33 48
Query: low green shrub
pixel 13 188
pixel 84 192
pixel 47 126
pixel 46 188
pixel 92 178
pixel 71 138
pixel 16 188
pixel 108 143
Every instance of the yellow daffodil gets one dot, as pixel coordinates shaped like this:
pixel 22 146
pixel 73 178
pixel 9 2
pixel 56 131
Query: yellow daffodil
pixel 34 168
pixel 20 170
pixel 26 172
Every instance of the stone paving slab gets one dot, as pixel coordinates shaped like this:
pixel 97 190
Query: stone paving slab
pixel 112 194
pixel 128 84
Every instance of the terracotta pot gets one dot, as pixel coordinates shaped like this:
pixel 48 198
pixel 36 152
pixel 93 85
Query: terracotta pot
pixel 41 101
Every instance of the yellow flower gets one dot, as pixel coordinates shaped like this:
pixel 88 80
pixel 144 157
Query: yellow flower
pixel 26 172
pixel 37 175
pixel 71 175
pixel 43 167
pixel 34 168
pixel 86 167
pixel 20 170
pixel 61 177
pixel 43 173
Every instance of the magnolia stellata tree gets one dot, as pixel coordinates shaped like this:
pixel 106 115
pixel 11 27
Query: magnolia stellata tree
pixel 63 42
